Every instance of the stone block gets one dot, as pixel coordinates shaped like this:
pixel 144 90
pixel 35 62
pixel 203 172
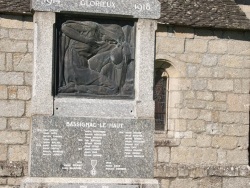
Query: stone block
pixel 164 183
pixel 179 183
pixel 188 142
pixel 220 85
pixel 9 62
pixel 245 86
pixel 238 47
pixel 30 47
pixel 225 142
pixel 183 171
pixel 237 102
pixel 22 124
pixel 163 154
pixel 3 92
pixel 23 62
pixel 232 61
pixel 235 130
pixel 175 97
pixel 220 96
pixel 171 170
pixel 219 72
pixel 3 152
pixel 24 93
pixel 204 141
pixel 217 106
pixel 2 61
pixel 28 108
pixel 237 73
pixel 213 128
pixel 11 78
pixel 196 45
pixel 198 172
pixel 28 79
pixel 207 96
pixel 243 143
pixel 11 21
pixel 192 70
pixel 12 92
pixel 196 126
pixel 15 181
pixel 3 123
pixel 195 58
pixel 189 113
pixel 3 181
pixel 193 155
pixel 12 137
pixel 209 60
pixel 199 84
pixel 18 153
pixel 183 32
pixel 11 108
pixel 21 34
pixel 196 104
pixel 222 156
pixel 218 46
pixel 237 157
pixel 189 95
pixel 230 117
pixel 236 182
pixel 170 45
pixel 180 125
pixel 205 72
pixel 205 115
pixel 4 33
pixel 211 182
pixel 7 45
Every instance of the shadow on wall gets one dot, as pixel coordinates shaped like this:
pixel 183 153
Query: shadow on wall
pixel 206 32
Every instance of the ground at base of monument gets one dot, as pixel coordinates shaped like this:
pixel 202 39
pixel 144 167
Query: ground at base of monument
pixel 88 183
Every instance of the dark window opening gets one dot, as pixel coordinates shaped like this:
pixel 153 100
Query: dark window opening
pixel 160 95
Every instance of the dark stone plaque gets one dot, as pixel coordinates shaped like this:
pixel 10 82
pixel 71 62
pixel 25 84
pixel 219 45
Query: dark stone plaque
pixel 96 59
pixel 88 147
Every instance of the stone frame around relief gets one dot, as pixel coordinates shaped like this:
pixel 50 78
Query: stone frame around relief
pixel 101 68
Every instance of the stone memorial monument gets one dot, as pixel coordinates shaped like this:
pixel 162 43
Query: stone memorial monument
pixel 92 100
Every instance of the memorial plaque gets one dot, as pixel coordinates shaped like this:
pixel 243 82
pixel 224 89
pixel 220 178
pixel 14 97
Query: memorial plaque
pixel 126 8
pixel 91 147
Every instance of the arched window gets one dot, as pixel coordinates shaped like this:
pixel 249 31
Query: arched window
pixel 160 95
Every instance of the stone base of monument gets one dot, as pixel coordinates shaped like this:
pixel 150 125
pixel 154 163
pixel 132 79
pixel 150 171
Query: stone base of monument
pixel 88 183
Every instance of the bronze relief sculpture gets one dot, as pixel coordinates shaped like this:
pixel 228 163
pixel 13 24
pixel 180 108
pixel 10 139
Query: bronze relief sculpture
pixel 96 59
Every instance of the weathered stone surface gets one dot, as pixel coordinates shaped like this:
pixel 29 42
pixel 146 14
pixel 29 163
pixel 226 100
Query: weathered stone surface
pixel 3 153
pixel 134 8
pixel 12 137
pixel 11 169
pixel 24 93
pixel 225 142
pixel 19 123
pixel 42 99
pixel 220 85
pixel 3 92
pixel 196 45
pixel 3 123
pixel 7 45
pixel 217 46
pixel 163 154
pixel 18 153
pixel 170 45
pixel 21 34
pixel 90 183
pixel 23 62
pixel 11 108
pixel 236 182
pixel 88 147
pixel 2 61
pixel 11 78
pixel 238 157
pixel 209 60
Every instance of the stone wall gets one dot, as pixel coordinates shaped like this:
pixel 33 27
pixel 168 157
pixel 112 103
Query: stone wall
pixel 205 142
pixel 16 45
